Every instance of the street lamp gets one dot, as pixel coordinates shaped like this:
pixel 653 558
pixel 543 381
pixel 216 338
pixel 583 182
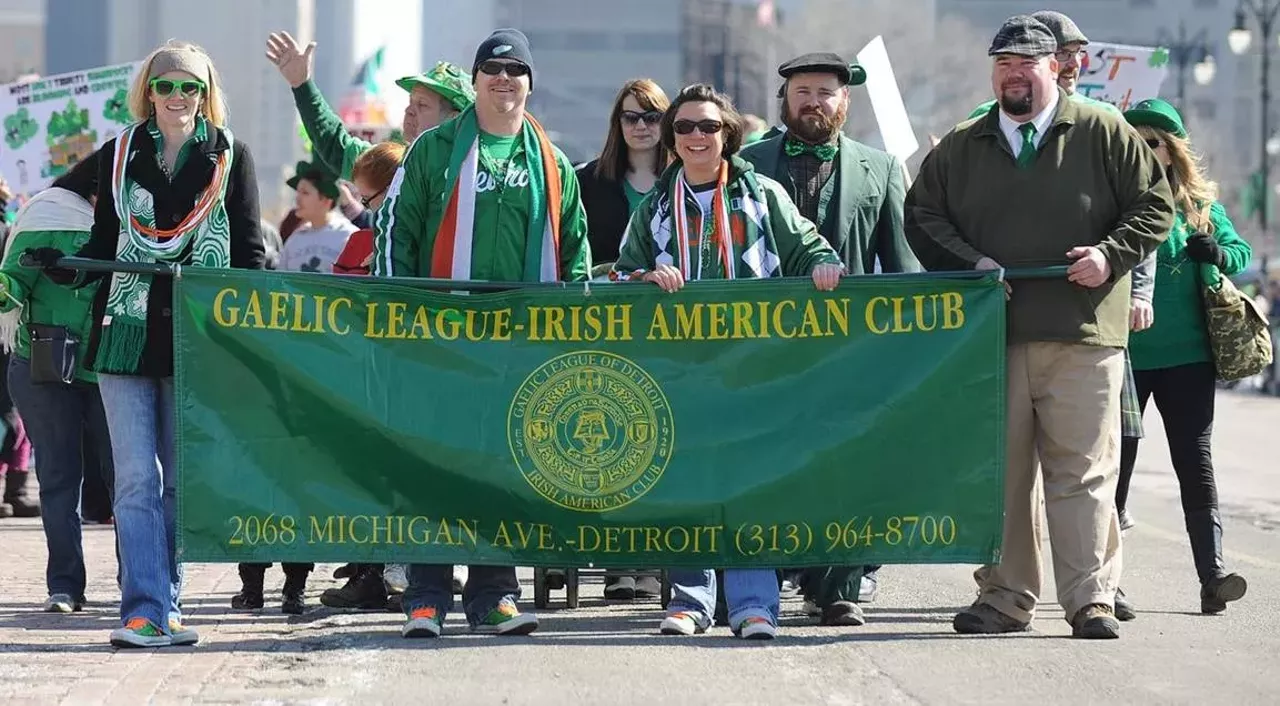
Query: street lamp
pixel 1188 53
pixel 1239 39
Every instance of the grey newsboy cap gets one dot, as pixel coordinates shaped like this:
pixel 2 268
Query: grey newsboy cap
pixel 1023 35
pixel 1064 29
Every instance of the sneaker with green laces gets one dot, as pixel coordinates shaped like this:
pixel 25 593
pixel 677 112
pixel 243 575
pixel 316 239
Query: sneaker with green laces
pixel 140 632
pixel 506 619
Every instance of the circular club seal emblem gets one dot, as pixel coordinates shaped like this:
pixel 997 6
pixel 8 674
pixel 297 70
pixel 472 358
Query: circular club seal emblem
pixel 590 431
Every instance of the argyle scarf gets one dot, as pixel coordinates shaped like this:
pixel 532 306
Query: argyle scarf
pixel 205 231
pixel 451 254
pixel 742 232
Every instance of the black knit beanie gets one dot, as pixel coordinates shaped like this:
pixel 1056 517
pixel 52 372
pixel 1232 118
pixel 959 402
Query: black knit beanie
pixel 505 43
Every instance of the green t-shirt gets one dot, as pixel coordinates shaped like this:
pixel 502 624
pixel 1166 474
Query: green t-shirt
pixel 633 197
pixel 502 204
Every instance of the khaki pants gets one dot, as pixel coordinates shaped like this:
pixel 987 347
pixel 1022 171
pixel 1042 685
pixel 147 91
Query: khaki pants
pixel 1062 415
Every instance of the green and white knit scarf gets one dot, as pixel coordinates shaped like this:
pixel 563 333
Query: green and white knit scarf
pixel 206 231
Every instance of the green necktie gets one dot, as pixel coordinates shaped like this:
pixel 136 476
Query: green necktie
pixel 795 148
pixel 1028 153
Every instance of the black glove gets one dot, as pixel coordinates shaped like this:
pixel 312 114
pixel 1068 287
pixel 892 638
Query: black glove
pixel 1203 248
pixel 46 258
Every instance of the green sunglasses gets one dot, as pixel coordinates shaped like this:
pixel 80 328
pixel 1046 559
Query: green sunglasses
pixel 164 87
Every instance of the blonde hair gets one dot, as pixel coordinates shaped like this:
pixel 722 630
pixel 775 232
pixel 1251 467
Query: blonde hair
pixel 1193 192
pixel 212 106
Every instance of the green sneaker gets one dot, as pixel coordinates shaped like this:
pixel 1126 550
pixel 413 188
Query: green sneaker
pixel 506 619
pixel 181 634
pixel 423 622
pixel 140 632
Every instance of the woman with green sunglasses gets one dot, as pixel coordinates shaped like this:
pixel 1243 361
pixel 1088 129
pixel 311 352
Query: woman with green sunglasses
pixel 175 187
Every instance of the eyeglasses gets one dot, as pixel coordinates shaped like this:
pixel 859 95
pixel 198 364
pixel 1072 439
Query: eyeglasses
pixel 1154 143
pixel 366 200
pixel 1065 56
pixel 706 127
pixel 650 117
pixel 164 87
pixel 513 69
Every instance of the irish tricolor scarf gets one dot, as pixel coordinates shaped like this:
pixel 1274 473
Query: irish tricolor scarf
pixel 205 233
pixel 451 254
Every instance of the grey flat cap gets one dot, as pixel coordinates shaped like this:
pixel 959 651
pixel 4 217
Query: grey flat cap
pixel 1063 28
pixel 1023 35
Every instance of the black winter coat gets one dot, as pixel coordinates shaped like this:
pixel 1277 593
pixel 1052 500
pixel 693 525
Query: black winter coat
pixel 607 213
pixel 173 201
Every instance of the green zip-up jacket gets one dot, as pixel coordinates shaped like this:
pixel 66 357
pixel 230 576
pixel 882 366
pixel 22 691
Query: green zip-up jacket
pixel 63 224
pixel 330 141
pixel 1178 335
pixel 796 241
pixel 406 224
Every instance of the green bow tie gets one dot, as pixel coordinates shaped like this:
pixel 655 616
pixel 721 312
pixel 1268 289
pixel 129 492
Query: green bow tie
pixel 795 148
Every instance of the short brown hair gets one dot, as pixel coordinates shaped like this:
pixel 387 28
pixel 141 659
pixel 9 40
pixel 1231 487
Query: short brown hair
pixel 378 166
pixel 705 93
pixel 613 162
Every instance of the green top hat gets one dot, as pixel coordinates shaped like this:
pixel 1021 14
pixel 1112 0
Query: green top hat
pixel 1156 113
pixel 325 181
pixel 447 80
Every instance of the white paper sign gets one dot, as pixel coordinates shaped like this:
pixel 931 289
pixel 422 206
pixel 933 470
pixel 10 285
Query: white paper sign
pixel 1122 75
pixel 51 123
pixel 886 101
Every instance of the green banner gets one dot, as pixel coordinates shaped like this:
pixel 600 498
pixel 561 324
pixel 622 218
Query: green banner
pixel 733 424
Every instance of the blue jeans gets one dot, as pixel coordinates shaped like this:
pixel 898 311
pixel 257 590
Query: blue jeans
pixel 56 417
pixel 749 593
pixel 141 415
pixel 431 586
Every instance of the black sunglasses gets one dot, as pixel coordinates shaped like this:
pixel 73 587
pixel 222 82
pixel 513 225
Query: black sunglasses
pixel 650 117
pixel 1154 143
pixel 513 69
pixel 706 127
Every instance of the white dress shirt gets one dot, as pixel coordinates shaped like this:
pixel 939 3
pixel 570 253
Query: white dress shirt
pixel 1009 126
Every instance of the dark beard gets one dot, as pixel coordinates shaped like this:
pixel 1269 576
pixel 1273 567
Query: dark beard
pixel 818 132
pixel 1016 106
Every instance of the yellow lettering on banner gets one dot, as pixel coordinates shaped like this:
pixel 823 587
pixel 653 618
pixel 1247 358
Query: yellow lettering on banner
pixel 872 317
pixel 544 538
pixel 689 322
pixel 920 312
pixel 371 322
pixel 502 325
pixel 952 311
pixel 447 325
pixel 742 327
pixel 582 538
pixel 718 330
pixel 838 314
pixel 395 320
pixel 324 534
pixel 298 325
pixel 279 311
pixel 533 324
pixel 502 536
pixel 617 322
pixel 421 329
pixel 419 536
pixel 659 330
pixel 481 316
pixel 253 310
pixel 811 325
pixel 611 540
pixel 386 530
pixel 555 324
pixel 333 314
pixel 224 315
pixel 777 319
pixel 444 535
pixel 653 539
pixel 469 530
pixel 899 325
pixel 351 529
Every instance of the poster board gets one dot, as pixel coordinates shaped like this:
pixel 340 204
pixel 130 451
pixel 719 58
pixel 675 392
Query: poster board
pixel 1121 74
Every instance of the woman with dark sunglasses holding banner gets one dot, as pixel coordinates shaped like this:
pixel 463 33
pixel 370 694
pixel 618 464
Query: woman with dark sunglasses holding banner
pixel 629 165
pixel 711 216
pixel 175 188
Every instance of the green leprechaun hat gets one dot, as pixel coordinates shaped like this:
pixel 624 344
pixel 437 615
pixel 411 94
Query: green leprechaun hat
pixel 447 80
pixel 326 182
pixel 1158 114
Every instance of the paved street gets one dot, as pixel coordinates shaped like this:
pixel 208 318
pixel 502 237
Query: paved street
pixel 609 654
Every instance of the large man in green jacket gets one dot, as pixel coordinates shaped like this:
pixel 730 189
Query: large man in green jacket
pixel 484 196
pixel 854 194
pixel 1044 180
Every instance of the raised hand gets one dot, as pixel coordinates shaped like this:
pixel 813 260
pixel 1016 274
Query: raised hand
pixel 293 63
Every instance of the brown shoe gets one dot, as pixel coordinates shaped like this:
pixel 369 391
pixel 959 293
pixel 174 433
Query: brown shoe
pixel 842 613
pixel 982 619
pixel 1095 622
